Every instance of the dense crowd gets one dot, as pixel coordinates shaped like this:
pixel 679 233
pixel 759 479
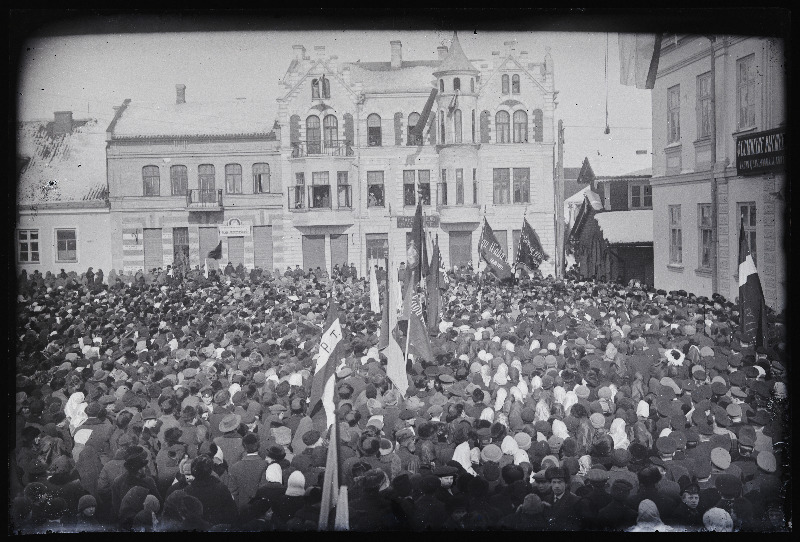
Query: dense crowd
pixel 170 401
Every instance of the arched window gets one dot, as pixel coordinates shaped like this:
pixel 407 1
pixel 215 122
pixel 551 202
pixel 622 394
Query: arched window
pixel 413 119
pixel 441 85
pixel 205 178
pixel 515 84
pixel 456 83
pixel 374 130
pixel 313 136
pixel 457 126
pixel 520 127
pixel 179 179
pixel 502 125
pixel 326 87
pixel 152 181
pixel 505 83
pixel 261 179
pixel 441 127
pixel 330 126
pixel 233 178
pixel 314 89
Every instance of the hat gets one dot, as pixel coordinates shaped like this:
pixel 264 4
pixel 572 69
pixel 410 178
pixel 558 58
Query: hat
pixel 720 458
pixel 445 470
pixel 87 501
pixel 597 475
pixel 311 437
pixel 766 461
pixel 94 409
pixel 666 445
pixel 523 440
pixel 556 472
pixel 597 420
pixel 296 485
pixel 492 452
pixel 276 452
pixel 230 423
pixel 532 504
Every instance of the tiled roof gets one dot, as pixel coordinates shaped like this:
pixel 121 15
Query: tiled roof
pixel 231 118
pixel 626 227
pixel 61 168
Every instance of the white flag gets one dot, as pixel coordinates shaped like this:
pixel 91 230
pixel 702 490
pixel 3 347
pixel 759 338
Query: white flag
pixel 374 297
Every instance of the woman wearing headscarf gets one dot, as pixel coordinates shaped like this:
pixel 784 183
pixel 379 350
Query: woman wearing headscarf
pixel 284 507
pixel 462 456
pixel 649 520
pixel 74 411
pixel 618 433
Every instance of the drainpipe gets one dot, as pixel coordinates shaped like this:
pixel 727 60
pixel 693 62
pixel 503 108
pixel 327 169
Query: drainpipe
pixel 714 213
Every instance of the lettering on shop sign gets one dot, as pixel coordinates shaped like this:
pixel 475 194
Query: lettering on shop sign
pixel 431 221
pixel 234 231
pixel 761 152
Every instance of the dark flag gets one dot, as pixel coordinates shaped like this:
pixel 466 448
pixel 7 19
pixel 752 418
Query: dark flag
pixel 416 252
pixel 321 397
pixel 417 335
pixel 489 249
pixel 530 252
pixel 423 117
pixel 752 310
pixel 434 286
pixel 216 254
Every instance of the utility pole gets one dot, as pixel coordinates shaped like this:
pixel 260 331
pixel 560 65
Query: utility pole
pixel 714 211
pixel 559 200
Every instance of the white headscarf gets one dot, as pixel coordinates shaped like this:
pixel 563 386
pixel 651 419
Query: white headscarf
pixel 516 394
pixel 500 400
pixel 542 411
pixel 570 399
pixel 617 432
pixel 509 445
pixel 584 464
pixel 521 456
pixel 486 375
pixel 72 404
pixel 274 473
pixel 536 382
pixel 559 394
pixel 643 409
pixel 560 429
pixel 522 386
pixel 461 455
pixel 487 414
pixel 501 376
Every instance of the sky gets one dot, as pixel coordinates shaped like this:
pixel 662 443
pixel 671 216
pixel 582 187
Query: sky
pixel 90 74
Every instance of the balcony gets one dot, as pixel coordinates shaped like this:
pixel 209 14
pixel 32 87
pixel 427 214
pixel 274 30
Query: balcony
pixel 204 200
pixel 302 149
pixel 313 205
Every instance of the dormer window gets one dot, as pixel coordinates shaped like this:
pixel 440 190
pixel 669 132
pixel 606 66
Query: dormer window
pixel 515 84
pixel 315 89
pixel 456 84
pixel 320 88
pixel 504 80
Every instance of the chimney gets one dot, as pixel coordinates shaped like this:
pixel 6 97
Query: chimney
pixel 397 54
pixel 509 47
pixel 63 122
pixel 180 94
pixel 319 52
pixel 442 51
pixel 299 52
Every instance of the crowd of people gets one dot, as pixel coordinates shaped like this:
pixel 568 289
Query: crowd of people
pixel 172 401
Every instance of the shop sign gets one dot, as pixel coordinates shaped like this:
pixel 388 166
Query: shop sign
pixel 761 152
pixel 234 228
pixel 431 221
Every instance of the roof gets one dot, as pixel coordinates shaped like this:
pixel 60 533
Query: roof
pixel 572 187
pixel 380 77
pixel 626 227
pixel 231 118
pixel 571 173
pixel 586 193
pixel 456 60
pixel 638 175
pixel 61 168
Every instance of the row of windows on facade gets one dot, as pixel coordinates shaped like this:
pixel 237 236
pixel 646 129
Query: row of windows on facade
pixel 747 216
pixel 416 187
pixel 206 177
pixel 325 134
pixel 745 102
pixel 321 87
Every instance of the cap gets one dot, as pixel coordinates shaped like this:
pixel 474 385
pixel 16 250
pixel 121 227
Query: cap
pixel 721 458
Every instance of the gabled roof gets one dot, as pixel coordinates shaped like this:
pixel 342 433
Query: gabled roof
pixel 376 78
pixel 217 119
pixel 456 60
pixel 331 74
pixel 61 168
pixel 586 175
pixel 520 67
pixel 626 227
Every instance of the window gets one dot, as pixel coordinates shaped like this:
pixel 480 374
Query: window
pixel 456 84
pixel 443 188
pixel 180 244
pixel 705 227
pixel 413 139
pixel 457 126
pixel 704 105
pixel 473 126
pixel 320 190
pixel 152 180
pixel 330 126
pixel 538 125
pixel 641 196
pixel 746 92
pixel 375 192
pixel 179 180
pixel 441 127
pixel 343 190
pixel 66 246
pixel 747 215
pixel 205 176
pixel 313 136
pixel 459 186
pixel 522 185
pixel 233 178
pixel 675 235
pixel 674 114
pixel 474 186
pixel 28 246
pixel 441 85
pixel 315 89
pixel 322 84
pixel 374 130
pixel 502 185
pixel 520 127
pixel 502 127
pixel 409 188
pixel 261 179
pixel 515 84
pixel 424 180
pixel 299 191
pixel 326 87
pixel 472 85
pixel 504 80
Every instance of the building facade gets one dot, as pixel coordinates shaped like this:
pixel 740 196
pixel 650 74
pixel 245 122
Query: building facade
pixel 718 133
pixel 355 167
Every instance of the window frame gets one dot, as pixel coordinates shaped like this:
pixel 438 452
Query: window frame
pixel 675 234
pixel 348 192
pixel 442 131
pixel 236 178
pixel 411 141
pixel 212 176
pixel 456 84
pixel 258 181
pixel 474 186
pixel 317 132
pixel 412 175
pixel 505 84
pixel 184 247
pixel 28 241
pixel 502 135
pixel 459 186
pixel 330 130
pixel 300 190
pixel 441 193
pixel 315 89
pixel 457 126
pixel 173 177
pixel 58 258
pixel 749 86
pixel 674 114
pixel 320 180
pixel 501 185
pixel 426 199
pixel 750 227
pixel 515 84
pixel 704 110
pixel 704 248
pixel 374 133
pixel 644 188
pixel 147 180
pixel 525 184
pixel 520 129
pixel 371 181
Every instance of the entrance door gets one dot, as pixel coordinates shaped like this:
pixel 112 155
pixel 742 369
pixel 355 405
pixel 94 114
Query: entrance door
pixel 460 248
pixel 314 252
pixel 377 247
pixel 339 248
pixel 262 246
pixel 153 249
pixel 236 250
pixel 209 239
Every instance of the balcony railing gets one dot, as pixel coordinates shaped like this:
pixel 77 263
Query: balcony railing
pixel 318 197
pixel 301 149
pixel 204 200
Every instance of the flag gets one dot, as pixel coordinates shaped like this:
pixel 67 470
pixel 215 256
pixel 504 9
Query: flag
pixel 530 252
pixel 396 364
pixel 489 249
pixel 374 296
pixel 330 483
pixel 321 397
pixel 752 310
pixel 434 287
pixel 342 511
pixel 453 105
pixel 426 112
pixel 216 254
pixel 416 252
pixel 417 335
pixel 205 268
pixel 638 59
